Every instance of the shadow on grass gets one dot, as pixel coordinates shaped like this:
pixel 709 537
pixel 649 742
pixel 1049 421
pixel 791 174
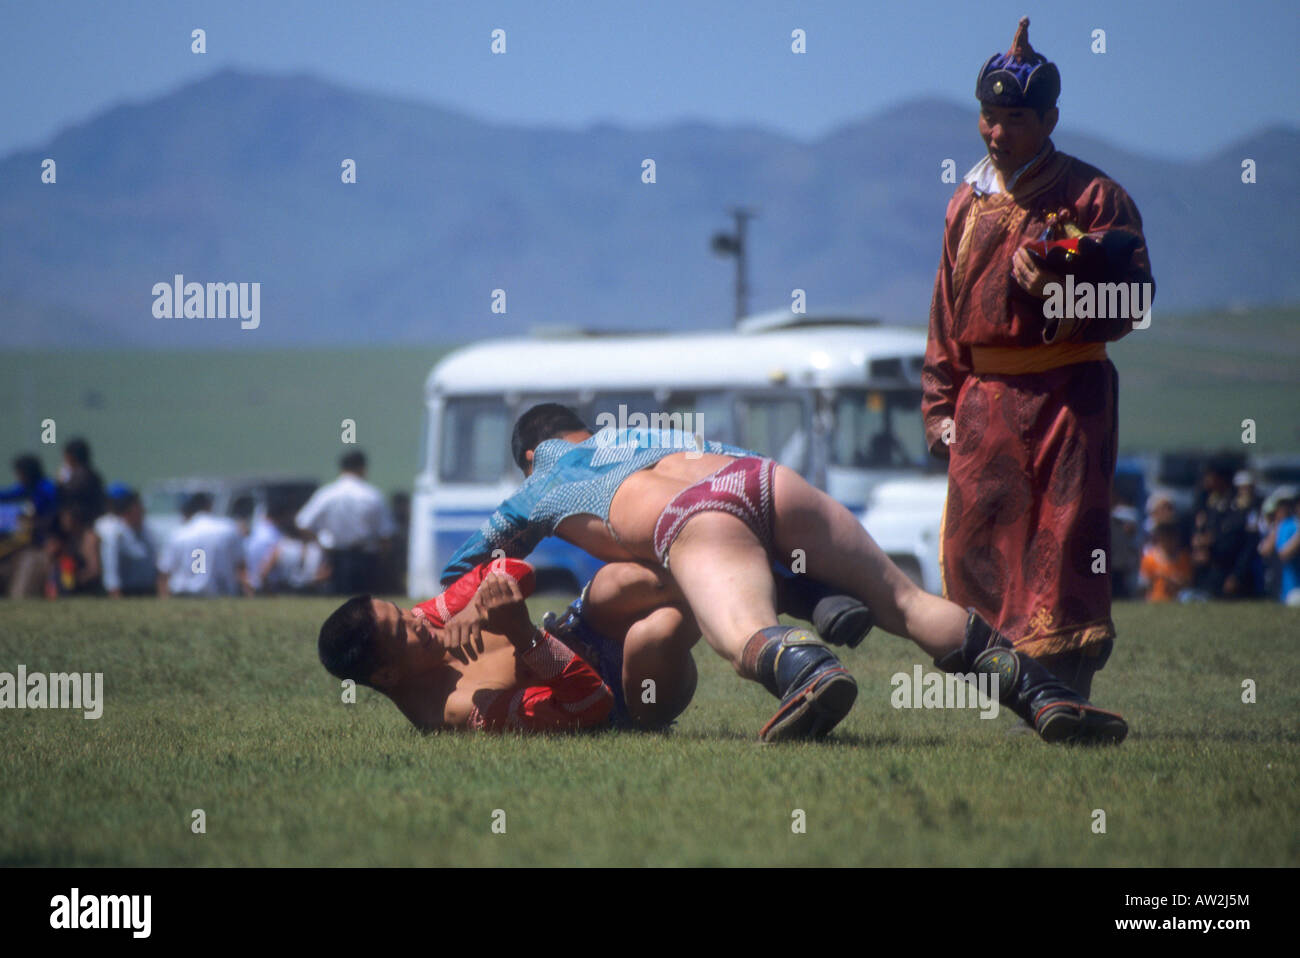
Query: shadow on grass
pixel 836 741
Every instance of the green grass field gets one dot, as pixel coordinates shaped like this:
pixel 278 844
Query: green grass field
pixel 221 705
pixel 1185 382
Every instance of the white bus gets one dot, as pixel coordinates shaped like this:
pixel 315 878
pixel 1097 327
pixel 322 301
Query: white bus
pixel 837 398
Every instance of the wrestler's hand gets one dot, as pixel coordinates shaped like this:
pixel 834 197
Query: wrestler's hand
pixel 1032 276
pixel 502 609
pixel 462 634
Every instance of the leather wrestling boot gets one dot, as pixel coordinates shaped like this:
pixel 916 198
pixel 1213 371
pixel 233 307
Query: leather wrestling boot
pixel 816 692
pixel 1054 710
pixel 838 619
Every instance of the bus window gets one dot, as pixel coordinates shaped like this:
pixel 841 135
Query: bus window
pixel 775 426
pixel 474 443
pixel 617 408
pixel 707 414
pixel 878 429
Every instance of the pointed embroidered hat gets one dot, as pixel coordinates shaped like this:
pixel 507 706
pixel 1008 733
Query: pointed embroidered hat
pixel 1020 77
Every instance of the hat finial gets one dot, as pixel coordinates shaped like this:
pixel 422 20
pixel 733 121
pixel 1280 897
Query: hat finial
pixel 1020 48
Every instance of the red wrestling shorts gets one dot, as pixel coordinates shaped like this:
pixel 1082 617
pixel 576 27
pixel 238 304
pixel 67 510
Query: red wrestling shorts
pixel 743 488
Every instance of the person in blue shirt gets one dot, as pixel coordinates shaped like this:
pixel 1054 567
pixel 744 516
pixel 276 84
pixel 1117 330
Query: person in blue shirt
pixel 31 504
pixel 34 488
pixel 1287 546
pixel 716 517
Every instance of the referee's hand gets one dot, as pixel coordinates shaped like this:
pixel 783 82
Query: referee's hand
pixel 1033 277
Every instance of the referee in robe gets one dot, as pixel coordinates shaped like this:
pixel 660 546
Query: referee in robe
pixel 1018 393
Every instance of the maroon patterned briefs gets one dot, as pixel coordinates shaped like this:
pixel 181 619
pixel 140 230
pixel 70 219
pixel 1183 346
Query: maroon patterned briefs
pixel 743 488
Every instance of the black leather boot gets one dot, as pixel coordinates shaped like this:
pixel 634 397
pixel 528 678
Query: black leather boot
pixel 1052 708
pixel 816 692
pixel 839 619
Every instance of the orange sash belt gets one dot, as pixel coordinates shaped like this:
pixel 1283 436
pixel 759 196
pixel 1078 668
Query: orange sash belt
pixel 1017 360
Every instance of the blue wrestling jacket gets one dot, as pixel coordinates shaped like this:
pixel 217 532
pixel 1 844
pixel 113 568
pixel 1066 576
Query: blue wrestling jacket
pixel 571 479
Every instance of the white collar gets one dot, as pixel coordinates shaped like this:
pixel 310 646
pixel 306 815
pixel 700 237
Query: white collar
pixel 983 176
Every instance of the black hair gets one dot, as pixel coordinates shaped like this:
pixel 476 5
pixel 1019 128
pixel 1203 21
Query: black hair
pixel 78 450
pixel 279 507
pixel 198 502
pixel 354 461
pixel 544 421
pixel 28 469
pixel 347 645
pixel 1224 465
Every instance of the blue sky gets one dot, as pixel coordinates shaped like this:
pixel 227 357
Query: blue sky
pixel 1178 78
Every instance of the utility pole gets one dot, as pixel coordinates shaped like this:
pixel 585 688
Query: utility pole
pixel 733 244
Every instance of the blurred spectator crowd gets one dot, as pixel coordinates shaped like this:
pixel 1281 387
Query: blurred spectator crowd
pixel 1232 543
pixel 74 535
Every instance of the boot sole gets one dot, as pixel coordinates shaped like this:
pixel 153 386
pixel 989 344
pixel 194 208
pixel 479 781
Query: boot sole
pixel 815 711
pixel 1076 726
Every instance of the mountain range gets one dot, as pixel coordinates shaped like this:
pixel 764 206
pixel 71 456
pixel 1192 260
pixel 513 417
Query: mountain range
pixel 238 178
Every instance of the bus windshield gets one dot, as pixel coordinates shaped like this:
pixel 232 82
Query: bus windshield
pixel 878 429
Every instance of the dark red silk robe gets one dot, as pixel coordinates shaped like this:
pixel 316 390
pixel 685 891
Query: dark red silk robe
pixel 1031 454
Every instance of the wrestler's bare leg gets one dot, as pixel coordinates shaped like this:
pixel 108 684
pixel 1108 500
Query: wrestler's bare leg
pixel 641 607
pixel 726 575
pixel 841 553
pixel 724 572
pixel 722 569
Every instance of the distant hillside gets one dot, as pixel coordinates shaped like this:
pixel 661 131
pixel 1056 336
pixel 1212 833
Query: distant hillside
pixel 237 178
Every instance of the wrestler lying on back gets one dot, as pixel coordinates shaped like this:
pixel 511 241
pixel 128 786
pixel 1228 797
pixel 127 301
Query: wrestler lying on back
pixel 510 675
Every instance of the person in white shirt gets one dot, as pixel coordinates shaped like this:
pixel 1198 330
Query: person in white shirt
pixel 262 540
pixel 126 552
pixel 220 568
pixel 281 557
pixel 295 565
pixel 351 521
